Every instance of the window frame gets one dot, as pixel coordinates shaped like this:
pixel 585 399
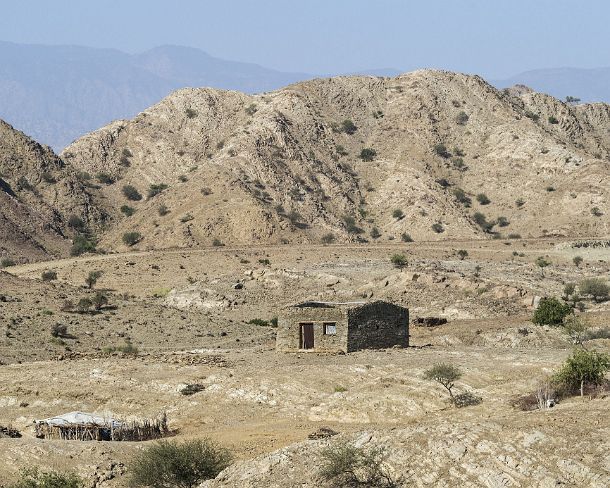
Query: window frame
pixel 329 324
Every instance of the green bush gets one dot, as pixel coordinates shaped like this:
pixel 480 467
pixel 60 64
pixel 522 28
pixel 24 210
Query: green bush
pixel 462 253
pixel 553 120
pixel 398 214
pixel 191 113
pixel 368 154
pixel 131 238
pixel 92 278
pixel 399 260
pixel 48 177
pixel 438 228
pixel 482 222
pixel 172 465
pixel 502 221
pixel 350 225
pixel 163 210
pixel 375 233
pixel 461 197
pixel 217 243
pixel 551 311
pixel 34 478
pixel 582 368
pixel 251 109
pixel 577 260
pixel 131 193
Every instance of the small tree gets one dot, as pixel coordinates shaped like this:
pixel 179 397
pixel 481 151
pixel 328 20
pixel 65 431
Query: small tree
pixel 375 233
pixel 462 253
pixel 81 245
pixel 34 478
pixel 596 288
pixel 442 151
pixel 92 278
pixel 399 260
pixel 577 260
pixel 551 311
pixel 83 305
pixel 445 374
pixel 404 237
pixel 172 465
pixel 583 368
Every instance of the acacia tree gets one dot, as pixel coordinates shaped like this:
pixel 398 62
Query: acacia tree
pixel 92 278
pixel 445 374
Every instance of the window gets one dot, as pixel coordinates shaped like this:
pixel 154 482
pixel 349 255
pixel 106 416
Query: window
pixel 330 328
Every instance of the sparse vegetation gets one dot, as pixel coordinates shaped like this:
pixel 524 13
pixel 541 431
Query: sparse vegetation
pixel 162 210
pixel 480 219
pixel 350 225
pixel 81 245
pixel 217 243
pixel 462 254
pixel 577 260
pixel 553 120
pixel 251 109
pixel 461 197
pixel 168 464
pixel 398 214
pixel 375 233
pixel 596 212
pixel 105 178
pixel 191 113
pixel 542 263
pixel 186 218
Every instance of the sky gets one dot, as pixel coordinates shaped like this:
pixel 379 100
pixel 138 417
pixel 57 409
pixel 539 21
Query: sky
pixel 493 38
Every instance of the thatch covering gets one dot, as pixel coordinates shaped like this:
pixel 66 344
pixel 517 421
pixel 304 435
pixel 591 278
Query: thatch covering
pixel 88 427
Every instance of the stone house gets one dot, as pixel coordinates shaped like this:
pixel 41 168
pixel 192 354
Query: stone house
pixel 342 327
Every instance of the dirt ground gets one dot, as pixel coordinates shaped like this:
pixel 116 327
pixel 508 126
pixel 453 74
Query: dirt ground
pixel 182 311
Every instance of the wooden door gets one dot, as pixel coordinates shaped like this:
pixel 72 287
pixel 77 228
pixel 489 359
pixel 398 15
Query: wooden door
pixel 306 336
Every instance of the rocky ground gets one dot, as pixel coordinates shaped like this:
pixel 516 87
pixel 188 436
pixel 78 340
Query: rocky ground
pixel 188 319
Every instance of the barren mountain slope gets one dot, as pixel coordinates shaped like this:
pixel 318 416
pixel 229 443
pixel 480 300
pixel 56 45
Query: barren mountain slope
pixel 283 166
pixel 38 193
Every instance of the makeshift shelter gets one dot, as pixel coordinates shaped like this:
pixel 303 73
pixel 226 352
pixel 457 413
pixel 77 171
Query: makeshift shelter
pixel 89 427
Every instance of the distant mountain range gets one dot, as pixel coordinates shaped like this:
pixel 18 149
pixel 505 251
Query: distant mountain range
pixel 58 93
pixel 589 85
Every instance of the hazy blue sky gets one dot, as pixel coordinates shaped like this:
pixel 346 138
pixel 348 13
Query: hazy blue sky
pixel 494 38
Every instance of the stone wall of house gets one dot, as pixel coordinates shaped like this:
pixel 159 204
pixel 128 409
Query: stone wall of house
pixel 377 325
pixel 288 332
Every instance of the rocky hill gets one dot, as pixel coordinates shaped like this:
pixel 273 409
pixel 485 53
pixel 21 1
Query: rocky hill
pixel 431 154
pixel 38 195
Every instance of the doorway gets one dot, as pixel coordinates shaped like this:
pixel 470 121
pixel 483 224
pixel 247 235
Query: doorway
pixel 306 335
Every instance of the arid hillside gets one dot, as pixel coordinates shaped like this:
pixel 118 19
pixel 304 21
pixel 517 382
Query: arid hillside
pixel 38 194
pixel 430 154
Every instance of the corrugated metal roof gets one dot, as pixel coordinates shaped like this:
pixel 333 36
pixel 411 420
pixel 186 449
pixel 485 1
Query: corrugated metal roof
pixel 80 418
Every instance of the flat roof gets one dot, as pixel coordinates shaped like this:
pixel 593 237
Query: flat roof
pixel 320 304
